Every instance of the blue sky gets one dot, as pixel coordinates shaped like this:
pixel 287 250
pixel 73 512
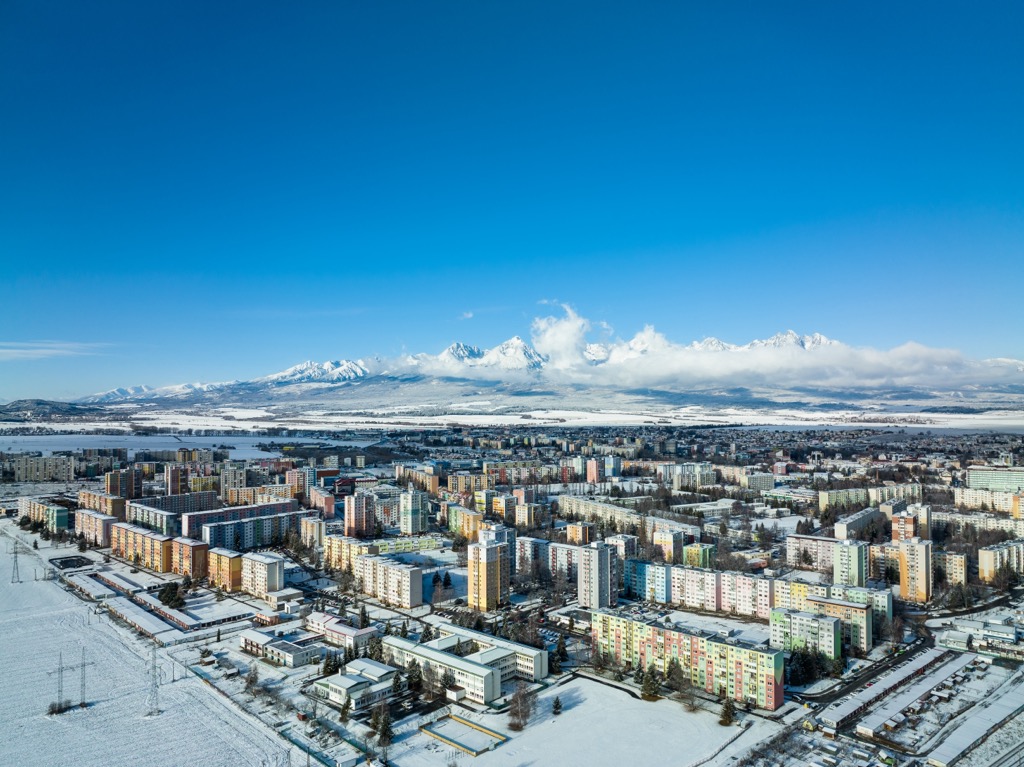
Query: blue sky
pixel 197 191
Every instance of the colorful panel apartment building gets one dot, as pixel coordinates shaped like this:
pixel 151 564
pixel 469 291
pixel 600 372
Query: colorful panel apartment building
pixel 716 664
pixel 190 557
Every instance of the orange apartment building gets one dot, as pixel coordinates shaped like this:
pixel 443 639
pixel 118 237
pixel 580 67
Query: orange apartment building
pixel 224 569
pixel 141 546
pixel 189 557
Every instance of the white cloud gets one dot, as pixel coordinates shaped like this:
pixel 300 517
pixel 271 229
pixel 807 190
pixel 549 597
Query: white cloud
pixel 36 350
pixel 562 340
pixel 466 316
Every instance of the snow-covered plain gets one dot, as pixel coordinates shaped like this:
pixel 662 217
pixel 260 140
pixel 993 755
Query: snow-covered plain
pixel 39 620
pixel 599 725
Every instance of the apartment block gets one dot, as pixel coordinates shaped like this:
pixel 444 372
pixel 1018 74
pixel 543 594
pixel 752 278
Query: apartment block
pixel 488 584
pixel 795 630
pixel 910 492
pixel 856 620
pixel 192 522
pixel 625 545
pixel 527 515
pixel 650 581
pixel 143 547
pixel 1007 553
pixel 846 527
pixel 915 570
pixel 904 526
pixel 262 573
pixel 953 565
pixel 54 468
pixel 598 580
pixel 579 533
pixel 999 479
pixel 809 552
pixel 413 510
pixel 850 563
pixel 360 520
pixel 253 532
pixel 392 582
pixel 849 497
pixel 124 483
pixel 700 554
pixel 189 557
pixel 105 503
pixel 464 483
pixel 176 479
pixel 422 478
pixel 669 544
pixel 95 526
pixel 224 569
pixel 247 496
pixel 716 664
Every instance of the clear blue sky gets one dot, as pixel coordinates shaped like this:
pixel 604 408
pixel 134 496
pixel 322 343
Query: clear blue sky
pixel 207 191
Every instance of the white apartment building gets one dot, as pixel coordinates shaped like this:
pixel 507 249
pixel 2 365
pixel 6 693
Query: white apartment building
pixel 262 573
pixel 598 581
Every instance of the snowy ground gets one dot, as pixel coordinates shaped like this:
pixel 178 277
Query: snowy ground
pixel 599 725
pixel 39 620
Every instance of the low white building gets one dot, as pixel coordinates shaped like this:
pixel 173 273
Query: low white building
pixel 364 682
pixel 336 632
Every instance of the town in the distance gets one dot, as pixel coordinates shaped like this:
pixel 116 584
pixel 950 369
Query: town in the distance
pixel 516 595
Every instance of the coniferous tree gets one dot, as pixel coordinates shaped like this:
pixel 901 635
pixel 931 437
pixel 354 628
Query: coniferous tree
pixel 556 706
pixel 728 713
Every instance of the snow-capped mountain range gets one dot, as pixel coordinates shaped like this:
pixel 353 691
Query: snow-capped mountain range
pixel 561 356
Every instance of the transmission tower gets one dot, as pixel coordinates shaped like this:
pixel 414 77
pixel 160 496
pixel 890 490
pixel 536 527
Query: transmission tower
pixel 153 699
pixel 15 575
pixel 61 668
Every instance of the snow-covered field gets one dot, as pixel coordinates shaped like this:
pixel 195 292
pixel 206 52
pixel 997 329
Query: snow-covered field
pixel 599 725
pixel 39 620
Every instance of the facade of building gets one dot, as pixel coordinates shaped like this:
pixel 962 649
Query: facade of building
pixel 488 583
pixel 795 630
pixel 95 526
pixel 224 569
pixel 625 545
pixel 262 572
pixel 717 664
pixel 1006 554
pixel 579 533
pixel 337 632
pixel 189 557
pixel 124 483
pixel 999 479
pixel 808 551
pixel 904 526
pixel 598 581
pixel 850 564
pixel 413 509
pixel 360 519
pixel 105 503
pixel 143 547
pixel 389 580
pixel 855 618
pixel 915 570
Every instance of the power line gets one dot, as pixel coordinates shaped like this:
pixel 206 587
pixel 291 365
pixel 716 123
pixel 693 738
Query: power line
pixel 153 699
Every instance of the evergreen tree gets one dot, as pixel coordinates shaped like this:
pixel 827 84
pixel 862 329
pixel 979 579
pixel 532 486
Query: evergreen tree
pixel 638 675
pixel 385 732
pixel 414 676
pixel 556 706
pixel 446 584
pixel 404 633
pixel 560 649
pixel 396 684
pixel 346 709
pixel 728 713
pixel 650 682
pixel 364 617
pixel 426 635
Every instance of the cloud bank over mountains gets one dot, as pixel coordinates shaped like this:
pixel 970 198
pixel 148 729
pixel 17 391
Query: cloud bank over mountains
pixel 562 350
